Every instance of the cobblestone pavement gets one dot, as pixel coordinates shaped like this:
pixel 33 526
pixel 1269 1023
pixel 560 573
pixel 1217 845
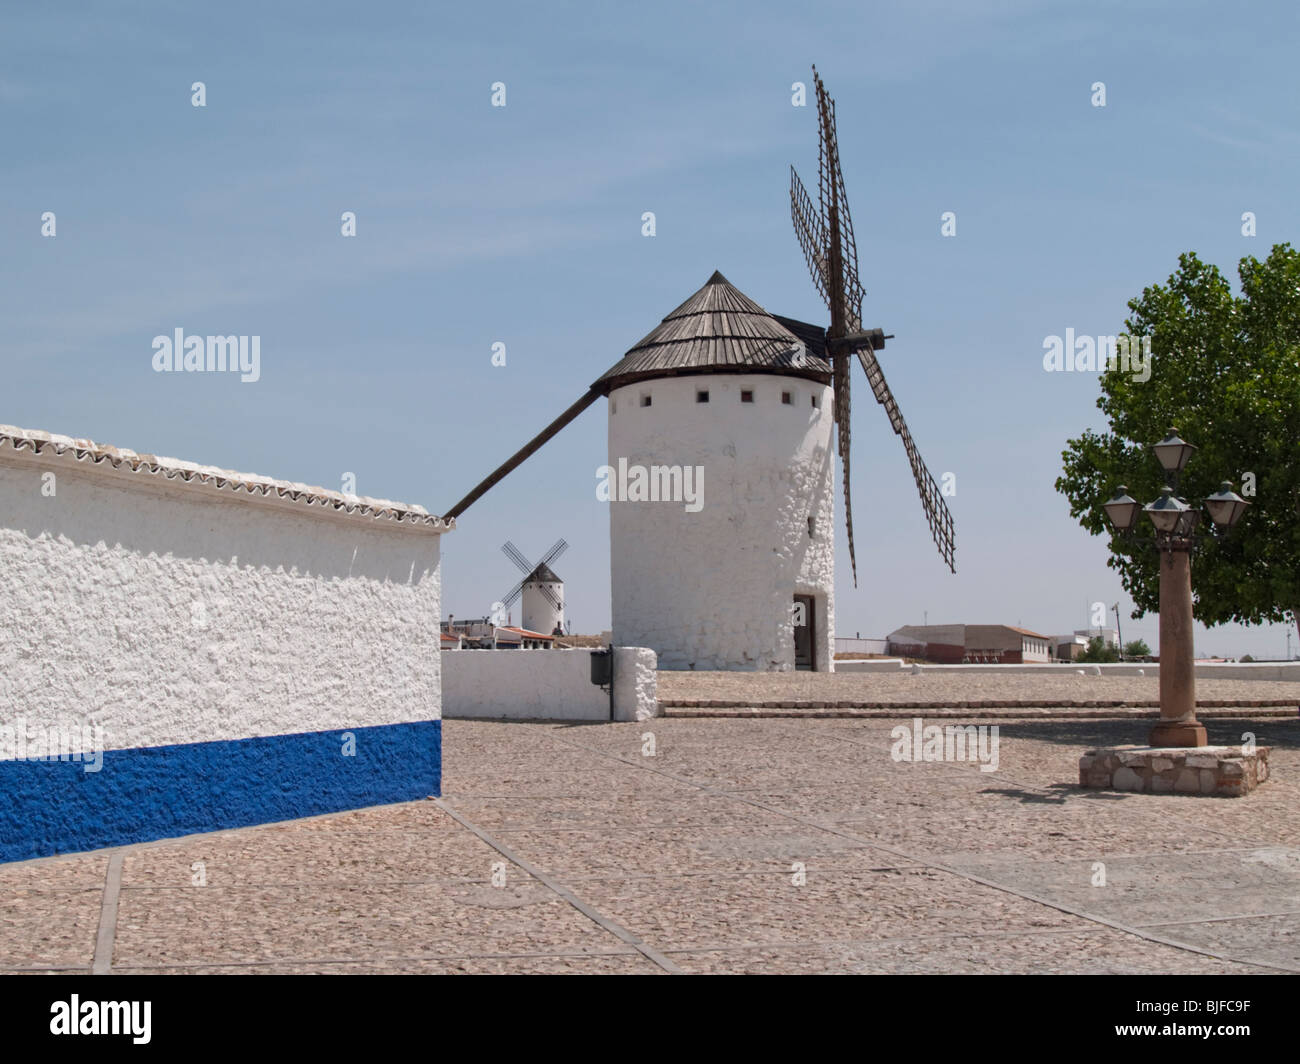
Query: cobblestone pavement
pixel 688 861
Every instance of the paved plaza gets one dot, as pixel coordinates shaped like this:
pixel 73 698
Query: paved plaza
pixel 765 845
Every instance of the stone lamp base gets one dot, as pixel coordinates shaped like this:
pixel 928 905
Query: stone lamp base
pixel 1226 771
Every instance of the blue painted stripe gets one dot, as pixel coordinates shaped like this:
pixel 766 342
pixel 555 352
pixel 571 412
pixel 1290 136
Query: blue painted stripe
pixel 161 792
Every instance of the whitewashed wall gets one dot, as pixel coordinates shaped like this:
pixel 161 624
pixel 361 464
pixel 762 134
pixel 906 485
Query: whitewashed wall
pixel 714 589
pixel 635 686
pixel 181 619
pixel 169 617
pixel 546 685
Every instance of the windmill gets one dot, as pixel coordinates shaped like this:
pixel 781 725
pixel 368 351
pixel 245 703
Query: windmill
pixel 542 590
pixel 741 575
pixel 829 247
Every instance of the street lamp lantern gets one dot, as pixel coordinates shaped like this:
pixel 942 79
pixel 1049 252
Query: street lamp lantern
pixel 1167 513
pixel 1122 511
pixel 1173 453
pixel 1226 506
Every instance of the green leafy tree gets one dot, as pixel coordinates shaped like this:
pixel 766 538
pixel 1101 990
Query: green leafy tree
pixel 1098 650
pixel 1225 370
pixel 1137 649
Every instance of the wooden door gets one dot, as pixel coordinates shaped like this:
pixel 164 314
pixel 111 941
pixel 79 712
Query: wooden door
pixel 805 634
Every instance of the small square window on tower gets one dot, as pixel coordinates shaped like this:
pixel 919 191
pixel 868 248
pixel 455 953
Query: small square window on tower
pixel 814 401
pixel 645 400
pixel 787 398
pixel 812 526
pixel 746 396
pixel 702 396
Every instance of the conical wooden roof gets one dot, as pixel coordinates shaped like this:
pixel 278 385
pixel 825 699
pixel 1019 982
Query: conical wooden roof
pixel 543 574
pixel 718 330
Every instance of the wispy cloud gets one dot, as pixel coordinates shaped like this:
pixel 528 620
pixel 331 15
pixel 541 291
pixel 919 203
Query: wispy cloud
pixel 1252 132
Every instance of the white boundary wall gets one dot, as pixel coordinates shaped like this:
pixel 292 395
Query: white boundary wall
pixel 546 685
pixel 847 644
pixel 228 649
pixel 1232 670
pixel 171 613
pixel 870 665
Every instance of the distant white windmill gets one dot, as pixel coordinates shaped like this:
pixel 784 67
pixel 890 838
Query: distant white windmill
pixel 542 591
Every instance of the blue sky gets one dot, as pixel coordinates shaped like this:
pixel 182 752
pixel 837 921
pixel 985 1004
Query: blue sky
pixel 522 225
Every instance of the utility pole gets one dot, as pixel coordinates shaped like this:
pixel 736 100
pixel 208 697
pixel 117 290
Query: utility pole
pixel 1119 632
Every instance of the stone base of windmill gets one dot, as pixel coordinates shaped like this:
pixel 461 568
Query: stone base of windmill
pixel 1225 771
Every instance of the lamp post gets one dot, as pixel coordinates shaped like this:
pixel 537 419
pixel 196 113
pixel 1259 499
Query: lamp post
pixel 1176 536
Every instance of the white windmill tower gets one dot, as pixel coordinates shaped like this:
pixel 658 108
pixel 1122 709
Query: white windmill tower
pixel 541 591
pixel 726 400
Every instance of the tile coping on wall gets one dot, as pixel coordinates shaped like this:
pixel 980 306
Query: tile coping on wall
pixel 90 454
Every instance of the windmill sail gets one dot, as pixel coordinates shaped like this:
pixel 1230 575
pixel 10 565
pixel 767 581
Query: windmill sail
pixel 559 548
pixel 811 233
pixel 937 513
pixel 831 252
pixel 517 556
pixel 508 599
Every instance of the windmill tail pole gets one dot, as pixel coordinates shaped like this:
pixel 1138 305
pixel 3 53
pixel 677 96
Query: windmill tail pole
pixel 524 452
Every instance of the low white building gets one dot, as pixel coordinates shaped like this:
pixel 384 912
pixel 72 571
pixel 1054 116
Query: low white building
pixel 1109 636
pixel 512 638
pixel 483 634
pixel 1069 647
